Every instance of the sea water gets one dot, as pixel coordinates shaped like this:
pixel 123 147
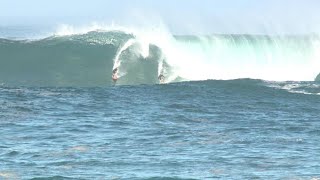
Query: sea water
pixel 61 116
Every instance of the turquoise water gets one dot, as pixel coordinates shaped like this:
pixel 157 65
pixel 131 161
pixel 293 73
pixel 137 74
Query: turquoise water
pixel 61 117
pixel 87 60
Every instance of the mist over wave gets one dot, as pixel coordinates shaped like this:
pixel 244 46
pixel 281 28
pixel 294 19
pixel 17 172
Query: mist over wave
pixel 86 57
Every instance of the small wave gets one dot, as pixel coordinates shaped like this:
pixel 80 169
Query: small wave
pixel 166 178
pixel 13 153
pixel 8 175
pixel 54 178
pixel 308 88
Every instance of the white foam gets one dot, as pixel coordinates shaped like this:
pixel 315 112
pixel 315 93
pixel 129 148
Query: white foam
pixel 67 30
pixel 296 87
pixel 117 61
pixel 220 57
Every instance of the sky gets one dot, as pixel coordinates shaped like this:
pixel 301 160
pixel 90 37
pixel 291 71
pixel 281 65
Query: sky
pixel 181 16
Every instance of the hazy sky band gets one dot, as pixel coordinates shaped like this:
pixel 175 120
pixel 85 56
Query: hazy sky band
pixel 230 16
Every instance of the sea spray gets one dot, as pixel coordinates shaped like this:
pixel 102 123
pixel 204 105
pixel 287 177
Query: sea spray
pixel 84 57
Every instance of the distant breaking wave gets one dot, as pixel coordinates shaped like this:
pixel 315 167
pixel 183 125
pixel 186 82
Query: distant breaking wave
pixel 88 59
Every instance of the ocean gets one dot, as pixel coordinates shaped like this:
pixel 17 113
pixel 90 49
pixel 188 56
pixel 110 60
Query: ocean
pixel 233 106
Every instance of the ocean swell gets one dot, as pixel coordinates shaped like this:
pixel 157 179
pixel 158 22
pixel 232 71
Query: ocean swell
pixel 76 60
pixel 87 59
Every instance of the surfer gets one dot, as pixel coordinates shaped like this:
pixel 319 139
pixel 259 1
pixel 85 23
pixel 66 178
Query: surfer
pixel 161 78
pixel 114 75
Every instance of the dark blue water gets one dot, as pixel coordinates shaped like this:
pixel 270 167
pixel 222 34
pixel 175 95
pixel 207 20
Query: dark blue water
pixel 238 129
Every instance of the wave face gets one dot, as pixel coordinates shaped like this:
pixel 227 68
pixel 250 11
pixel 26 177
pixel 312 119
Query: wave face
pixel 77 60
pixel 88 59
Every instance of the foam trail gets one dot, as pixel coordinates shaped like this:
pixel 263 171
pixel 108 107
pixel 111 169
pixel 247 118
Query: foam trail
pixel 160 67
pixel 117 61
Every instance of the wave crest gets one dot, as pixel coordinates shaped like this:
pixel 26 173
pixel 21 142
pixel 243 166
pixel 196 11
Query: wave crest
pixel 82 57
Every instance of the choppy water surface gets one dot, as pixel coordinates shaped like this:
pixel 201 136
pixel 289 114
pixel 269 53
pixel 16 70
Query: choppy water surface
pixel 237 129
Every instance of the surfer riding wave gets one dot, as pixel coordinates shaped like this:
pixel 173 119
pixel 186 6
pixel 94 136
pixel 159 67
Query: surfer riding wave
pixel 161 78
pixel 115 75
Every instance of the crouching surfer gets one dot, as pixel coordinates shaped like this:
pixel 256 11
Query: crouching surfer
pixel 161 78
pixel 115 75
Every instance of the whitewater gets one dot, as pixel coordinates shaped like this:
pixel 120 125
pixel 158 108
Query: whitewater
pixel 86 56
pixel 233 106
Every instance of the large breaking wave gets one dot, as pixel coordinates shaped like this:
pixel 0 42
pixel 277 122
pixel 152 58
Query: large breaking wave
pixel 88 58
